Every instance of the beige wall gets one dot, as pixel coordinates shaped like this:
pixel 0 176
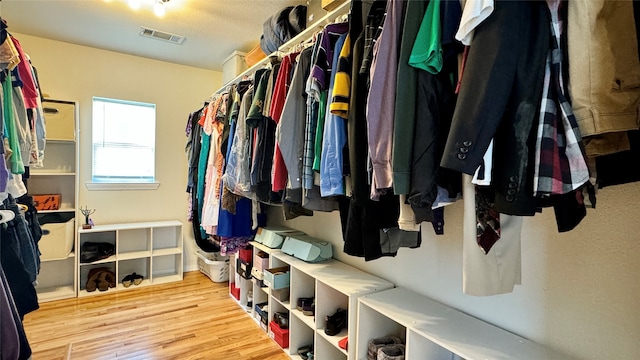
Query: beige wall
pixel 72 72
pixel 580 290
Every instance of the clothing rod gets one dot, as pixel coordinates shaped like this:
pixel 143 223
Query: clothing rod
pixel 305 34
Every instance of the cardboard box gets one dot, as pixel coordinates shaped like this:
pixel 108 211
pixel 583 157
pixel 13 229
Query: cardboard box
pixel 306 248
pixel 277 278
pixel 262 315
pixel 257 274
pixel 254 56
pixel 281 336
pixel 281 294
pixel 273 237
pixel 46 202
pixel 243 269
pixel 235 292
pixel 329 5
pixel 260 260
pixel 245 254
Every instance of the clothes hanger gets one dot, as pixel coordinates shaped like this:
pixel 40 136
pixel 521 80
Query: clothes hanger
pixel 6 216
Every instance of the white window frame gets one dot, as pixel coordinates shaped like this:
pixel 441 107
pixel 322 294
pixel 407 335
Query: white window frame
pixel 129 184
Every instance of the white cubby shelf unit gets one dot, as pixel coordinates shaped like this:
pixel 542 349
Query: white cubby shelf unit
pixel 151 249
pixel 58 175
pixel 432 330
pixel 333 284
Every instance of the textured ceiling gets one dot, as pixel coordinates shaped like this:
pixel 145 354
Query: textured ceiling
pixel 213 28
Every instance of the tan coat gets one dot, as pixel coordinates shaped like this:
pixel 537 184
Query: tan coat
pixel 604 72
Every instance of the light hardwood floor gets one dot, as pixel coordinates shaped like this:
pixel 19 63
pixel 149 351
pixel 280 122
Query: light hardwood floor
pixel 191 319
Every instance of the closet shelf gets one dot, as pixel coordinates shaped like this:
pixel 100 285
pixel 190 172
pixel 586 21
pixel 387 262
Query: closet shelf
pixel 55 292
pixel 62 208
pixel 305 34
pixel 436 328
pixel 52 173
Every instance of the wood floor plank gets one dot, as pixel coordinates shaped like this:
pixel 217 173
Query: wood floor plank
pixel 188 320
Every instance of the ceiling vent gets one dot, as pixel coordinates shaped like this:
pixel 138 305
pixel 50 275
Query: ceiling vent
pixel 161 35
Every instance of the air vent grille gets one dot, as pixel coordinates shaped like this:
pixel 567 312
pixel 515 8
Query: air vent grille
pixel 161 35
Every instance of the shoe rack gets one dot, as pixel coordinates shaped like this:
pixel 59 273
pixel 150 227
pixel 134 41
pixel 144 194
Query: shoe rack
pixel 333 284
pixel 58 175
pixel 151 249
pixel 432 330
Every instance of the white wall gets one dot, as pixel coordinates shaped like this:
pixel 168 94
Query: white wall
pixel 72 72
pixel 580 291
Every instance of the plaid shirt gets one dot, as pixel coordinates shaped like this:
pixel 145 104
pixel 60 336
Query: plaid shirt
pixel 560 165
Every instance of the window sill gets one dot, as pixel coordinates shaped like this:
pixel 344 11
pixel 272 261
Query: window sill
pixel 121 186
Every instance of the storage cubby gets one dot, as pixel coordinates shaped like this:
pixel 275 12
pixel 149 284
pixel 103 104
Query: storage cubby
pixel 166 268
pixel 334 285
pixel 432 330
pixel 304 335
pixel 56 279
pixel 134 243
pixel 140 266
pixel 326 350
pixel 150 249
pixel 58 175
pixel 166 239
pixel 84 275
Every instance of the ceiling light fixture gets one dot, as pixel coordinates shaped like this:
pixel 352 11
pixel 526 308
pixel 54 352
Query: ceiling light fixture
pixel 158 8
pixel 134 4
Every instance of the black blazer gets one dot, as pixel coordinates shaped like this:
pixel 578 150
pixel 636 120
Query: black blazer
pixel 500 99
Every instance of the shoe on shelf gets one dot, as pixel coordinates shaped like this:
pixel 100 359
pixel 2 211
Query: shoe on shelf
pixel 102 282
pixel 336 322
pixel 309 308
pixel 137 279
pixel 134 279
pixel 93 278
pixel 282 319
pixel 391 352
pixel 304 351
pixel 302 301
pixel 377 343
pixel 127 281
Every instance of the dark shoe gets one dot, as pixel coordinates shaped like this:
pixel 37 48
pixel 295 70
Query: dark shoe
pixel 377 343
pixel 302 301
pixel 304 351
pixel 391 352
pixel 336 322
pixel 127 281
pixel 94 251
pixel 92 279
pixel 137 279
pixel 309 309
pixel 102 282
pixel 282 319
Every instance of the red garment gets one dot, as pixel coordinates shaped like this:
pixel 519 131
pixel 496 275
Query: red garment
pixel 279 171
pixel 29 89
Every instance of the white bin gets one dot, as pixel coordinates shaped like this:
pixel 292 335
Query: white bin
pixel 58 243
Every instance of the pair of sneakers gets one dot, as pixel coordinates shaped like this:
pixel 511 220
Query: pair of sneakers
pixel 386 348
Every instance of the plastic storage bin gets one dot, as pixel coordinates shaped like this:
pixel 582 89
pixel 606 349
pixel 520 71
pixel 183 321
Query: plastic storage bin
pixel 213 265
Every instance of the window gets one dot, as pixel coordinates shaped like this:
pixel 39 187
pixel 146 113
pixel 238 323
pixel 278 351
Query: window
pixel 124 138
